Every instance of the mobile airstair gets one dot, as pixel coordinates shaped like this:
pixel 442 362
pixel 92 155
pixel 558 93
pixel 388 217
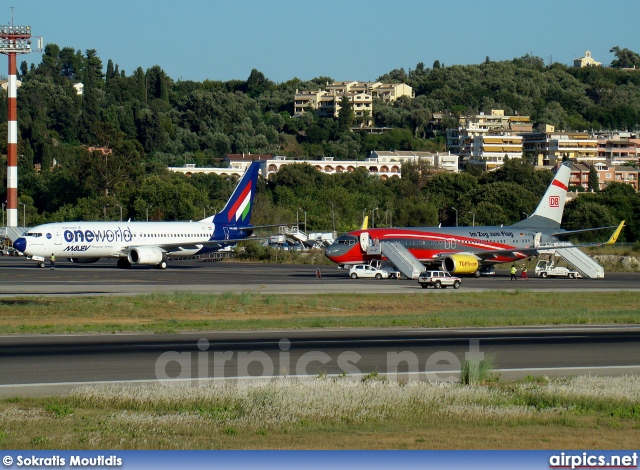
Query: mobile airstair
pixel 308 240
pixel 584 264
pixel 12 233
pixel 402 259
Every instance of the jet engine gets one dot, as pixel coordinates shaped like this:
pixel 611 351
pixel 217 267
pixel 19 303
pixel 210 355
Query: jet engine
pixel 146 255
pixel 460 264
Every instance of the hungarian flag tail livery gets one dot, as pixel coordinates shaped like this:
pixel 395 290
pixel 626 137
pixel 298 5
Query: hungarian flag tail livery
pixel 238 208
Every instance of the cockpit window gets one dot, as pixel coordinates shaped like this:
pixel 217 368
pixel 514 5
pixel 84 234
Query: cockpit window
pixel 347 240
pixel 32 234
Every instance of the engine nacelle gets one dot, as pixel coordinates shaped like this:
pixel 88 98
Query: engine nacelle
pixel 146 255
pixel 460 264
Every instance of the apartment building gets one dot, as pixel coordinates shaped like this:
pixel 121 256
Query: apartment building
pixel 619 149
pixel 607 174
pixel 549 148
pixel 496 119
pixel 489 151
pixel 327 102
pixel 496 125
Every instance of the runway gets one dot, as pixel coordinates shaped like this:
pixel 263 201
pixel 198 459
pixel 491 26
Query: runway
pixel 19 276
pixel 35 365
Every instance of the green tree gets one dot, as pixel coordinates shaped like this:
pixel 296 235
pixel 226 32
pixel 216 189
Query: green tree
pixel 593 182
pixel 625 58
pixel 346 116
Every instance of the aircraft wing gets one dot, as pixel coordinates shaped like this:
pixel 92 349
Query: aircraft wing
pixel 533 251
pixel 611 241
pixel 584 230
pixel 255 227
pixel 174 247
pixel 488 255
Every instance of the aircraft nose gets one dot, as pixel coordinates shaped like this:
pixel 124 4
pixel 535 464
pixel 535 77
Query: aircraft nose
pixel 335 250
pixel 20 244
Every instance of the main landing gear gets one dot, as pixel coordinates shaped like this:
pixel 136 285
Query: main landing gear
pixel 161 265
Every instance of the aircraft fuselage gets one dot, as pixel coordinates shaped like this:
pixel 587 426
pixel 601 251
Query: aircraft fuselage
pixel 428 244
pixel 111 239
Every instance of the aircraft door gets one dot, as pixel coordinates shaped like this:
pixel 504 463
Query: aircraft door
pixel 57 238
pixel 365 241
pixel 537 239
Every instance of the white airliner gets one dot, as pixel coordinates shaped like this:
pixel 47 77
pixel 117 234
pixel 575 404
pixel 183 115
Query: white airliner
pixel 145 243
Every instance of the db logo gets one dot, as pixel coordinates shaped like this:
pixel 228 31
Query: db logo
pixel 554 201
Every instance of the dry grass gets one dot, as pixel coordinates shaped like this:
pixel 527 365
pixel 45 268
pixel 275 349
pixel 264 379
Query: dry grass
pixel 190 312
pixel 332 414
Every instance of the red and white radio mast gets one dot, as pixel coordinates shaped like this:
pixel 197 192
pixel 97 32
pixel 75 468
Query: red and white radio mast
pixel 14 40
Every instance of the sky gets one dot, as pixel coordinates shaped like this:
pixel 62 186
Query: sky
pixel 345 40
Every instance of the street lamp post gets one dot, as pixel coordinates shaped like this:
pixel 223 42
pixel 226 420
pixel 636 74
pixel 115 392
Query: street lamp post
pixel 373 217
pixel 473 222
pixel 305 219
pixel 525 214
pixel 105 211
pixel 148 213
pixel 333 217
pixel 456 215
pixel 24 214
pixel 118 205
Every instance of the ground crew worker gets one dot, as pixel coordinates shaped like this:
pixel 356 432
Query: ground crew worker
pixel 318 273
pixel 524 274
pixel 53 261
pixel 513 272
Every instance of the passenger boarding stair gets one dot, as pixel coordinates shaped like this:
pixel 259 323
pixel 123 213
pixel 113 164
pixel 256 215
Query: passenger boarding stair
pixel 295 235
pixel 12 233
pixel 316 240
pixel 401 258
pixel 581 262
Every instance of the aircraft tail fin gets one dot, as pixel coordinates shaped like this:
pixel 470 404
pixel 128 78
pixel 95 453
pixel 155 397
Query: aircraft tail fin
pixel 240 204
pixel 548 215
pixel 365 223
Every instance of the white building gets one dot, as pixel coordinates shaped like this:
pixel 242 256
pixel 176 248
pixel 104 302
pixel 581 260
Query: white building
pixel 384 164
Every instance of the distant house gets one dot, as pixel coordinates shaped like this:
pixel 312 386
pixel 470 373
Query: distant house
pixel 586 61
pixel 242 160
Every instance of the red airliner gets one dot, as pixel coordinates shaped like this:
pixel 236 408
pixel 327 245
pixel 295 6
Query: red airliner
pixel 467 250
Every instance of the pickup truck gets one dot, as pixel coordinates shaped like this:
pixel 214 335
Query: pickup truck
pixel 546 268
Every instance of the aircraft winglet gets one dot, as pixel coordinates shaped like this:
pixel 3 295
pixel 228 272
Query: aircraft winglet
pixel 615 235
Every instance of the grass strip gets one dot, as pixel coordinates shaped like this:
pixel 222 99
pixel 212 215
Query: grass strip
pixel 577 412
pixel 179 312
